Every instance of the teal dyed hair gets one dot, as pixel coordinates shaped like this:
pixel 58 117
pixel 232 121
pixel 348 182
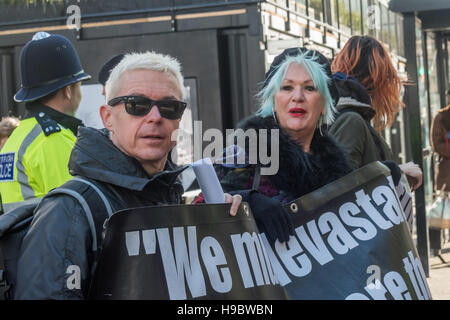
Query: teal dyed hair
pixel 318 75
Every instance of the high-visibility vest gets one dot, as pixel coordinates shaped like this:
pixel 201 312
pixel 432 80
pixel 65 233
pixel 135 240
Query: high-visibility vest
pixel 34 160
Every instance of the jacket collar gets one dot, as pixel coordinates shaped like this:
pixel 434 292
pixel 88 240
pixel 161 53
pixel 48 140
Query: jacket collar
pixel 300 172
pixel 95 156
pixel 366 111
pixel 69 122
pixel 353 96
pixel 170 174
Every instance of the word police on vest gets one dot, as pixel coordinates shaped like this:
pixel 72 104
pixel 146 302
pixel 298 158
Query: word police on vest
pixel 7 166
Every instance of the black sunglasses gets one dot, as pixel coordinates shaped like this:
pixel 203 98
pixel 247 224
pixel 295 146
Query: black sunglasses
pixel 140 106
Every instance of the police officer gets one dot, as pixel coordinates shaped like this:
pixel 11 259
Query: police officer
pixel 34 159
pixel 106 69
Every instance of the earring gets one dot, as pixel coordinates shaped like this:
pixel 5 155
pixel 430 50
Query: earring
pixel 274 115
pixel 320 123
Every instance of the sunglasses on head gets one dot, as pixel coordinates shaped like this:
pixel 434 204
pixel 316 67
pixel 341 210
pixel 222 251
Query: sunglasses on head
pixel 140 106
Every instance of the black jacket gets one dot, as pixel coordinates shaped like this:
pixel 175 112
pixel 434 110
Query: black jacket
pixel 59 239
pixel 352 128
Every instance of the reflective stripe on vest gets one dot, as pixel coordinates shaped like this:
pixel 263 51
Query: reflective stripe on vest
pixel 22 178
pixel 40 162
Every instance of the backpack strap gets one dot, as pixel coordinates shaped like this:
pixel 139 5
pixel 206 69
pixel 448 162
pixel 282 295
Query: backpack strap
pixel 99 192
pixel 90 202
pixel 86 209
pixel 376 138
pixel 96 222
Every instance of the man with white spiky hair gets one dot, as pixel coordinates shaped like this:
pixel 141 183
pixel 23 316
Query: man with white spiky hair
pixel 126 162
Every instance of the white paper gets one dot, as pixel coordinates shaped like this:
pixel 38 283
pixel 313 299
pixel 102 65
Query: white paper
pixel 208 181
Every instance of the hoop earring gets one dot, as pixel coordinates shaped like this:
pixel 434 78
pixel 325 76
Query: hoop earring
pixel 321 123
pixel 274 115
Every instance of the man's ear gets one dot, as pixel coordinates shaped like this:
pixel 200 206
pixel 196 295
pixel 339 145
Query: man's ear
pixel 105 114
pixel 67 92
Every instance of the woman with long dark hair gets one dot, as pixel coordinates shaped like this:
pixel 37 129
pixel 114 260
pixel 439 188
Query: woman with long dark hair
pixel 369 88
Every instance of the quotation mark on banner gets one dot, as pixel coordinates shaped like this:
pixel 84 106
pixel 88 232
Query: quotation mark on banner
pixel 133 242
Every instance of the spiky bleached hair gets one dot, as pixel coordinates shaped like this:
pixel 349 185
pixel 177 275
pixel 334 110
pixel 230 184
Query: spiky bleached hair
pixel 149 60
pixel 318 75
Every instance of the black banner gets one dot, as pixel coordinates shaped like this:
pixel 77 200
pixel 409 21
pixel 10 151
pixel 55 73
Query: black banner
pixel 351 242
pixel 184 252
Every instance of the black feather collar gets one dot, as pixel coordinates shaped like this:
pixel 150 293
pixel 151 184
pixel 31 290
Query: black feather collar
pixel 300 172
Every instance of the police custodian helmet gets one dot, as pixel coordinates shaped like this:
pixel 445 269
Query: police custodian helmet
pixel 48 63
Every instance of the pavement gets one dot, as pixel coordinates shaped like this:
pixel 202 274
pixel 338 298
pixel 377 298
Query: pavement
pixel 439 279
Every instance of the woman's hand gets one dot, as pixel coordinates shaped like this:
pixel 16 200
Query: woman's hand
pixel 270 217
pixel 413 174
pixel 235 202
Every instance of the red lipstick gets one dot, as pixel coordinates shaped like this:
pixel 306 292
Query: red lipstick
pixel 297 112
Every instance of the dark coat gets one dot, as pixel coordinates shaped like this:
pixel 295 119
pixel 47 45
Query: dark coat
pixel 59 235
pixel 299 172
pixel 352 128
pixel 440 132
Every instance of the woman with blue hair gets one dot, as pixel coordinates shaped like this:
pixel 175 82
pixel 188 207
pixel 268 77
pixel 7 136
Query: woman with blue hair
pixel 298 99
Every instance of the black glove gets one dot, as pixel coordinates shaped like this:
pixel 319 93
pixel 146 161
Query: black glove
pixel 270 216
pixel 396 172
pixel 245 194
